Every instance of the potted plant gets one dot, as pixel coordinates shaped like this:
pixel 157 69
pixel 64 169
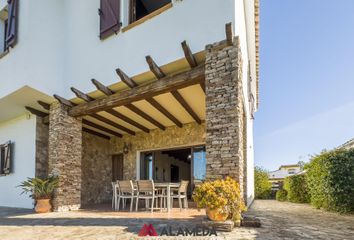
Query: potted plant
pixel 41 190
pixel 221 199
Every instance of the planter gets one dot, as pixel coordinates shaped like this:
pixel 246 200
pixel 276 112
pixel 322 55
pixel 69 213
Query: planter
pixel 43 206
pixel 216 215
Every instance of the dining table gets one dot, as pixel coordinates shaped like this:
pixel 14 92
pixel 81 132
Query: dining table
pixel 168 186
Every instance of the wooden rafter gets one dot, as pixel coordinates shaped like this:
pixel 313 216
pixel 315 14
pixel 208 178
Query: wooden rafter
pixel 229 33
pixel 154 68
pixel 98 134
pixel 87 98
pixel 147 117
pixel 82 95
pixel 102 87
pixel 113 124
pixel 164 111
pixel 44 105
pixel 186 106
pixel 36 112
pixel 64 101
pixel 128 120
pixel 99 127
pixel 127 80
pixel 163 85
pixel 189 55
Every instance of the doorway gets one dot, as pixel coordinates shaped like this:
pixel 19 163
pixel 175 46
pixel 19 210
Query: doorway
pixel 117 167
pixel 174 165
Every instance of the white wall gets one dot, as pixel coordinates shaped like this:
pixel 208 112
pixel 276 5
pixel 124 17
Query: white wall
pixel 58 45
pixel 22 132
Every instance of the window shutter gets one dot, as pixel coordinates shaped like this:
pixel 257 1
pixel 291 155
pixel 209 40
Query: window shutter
pixel 109 17
pixel 11 31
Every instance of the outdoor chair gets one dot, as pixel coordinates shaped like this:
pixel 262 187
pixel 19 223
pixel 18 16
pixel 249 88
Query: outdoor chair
pixel 115 194
pixel 147 191
pixel 127 191
pixel 182 194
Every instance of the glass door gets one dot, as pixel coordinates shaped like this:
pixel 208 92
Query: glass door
pixel 199 165
pixel 147 166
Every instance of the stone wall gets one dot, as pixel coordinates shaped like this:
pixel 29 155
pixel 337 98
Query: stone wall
pixel 42 135
pixel 190 134
pixel 224 112
pixel 64 154
pixel 96 169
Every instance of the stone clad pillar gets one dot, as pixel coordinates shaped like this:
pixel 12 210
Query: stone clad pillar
pixel 65 153
pixel 224 112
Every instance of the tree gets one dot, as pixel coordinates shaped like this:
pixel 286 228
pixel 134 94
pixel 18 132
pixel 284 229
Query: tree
pixel 262 185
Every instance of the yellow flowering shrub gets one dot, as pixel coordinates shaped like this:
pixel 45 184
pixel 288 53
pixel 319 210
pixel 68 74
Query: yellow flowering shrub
pixel 221 194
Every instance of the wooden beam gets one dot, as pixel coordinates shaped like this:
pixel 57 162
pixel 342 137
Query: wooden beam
pixel 113 124
pixel 186 106
pixel 82 95
pixel 128 120
pixel 163 85
pixel 64 101
pixel 189 55
pixel 44 105
pixel 164 111
pixel 87 98
pixel 36 112
pixel 154 68
pixel 99 127
pixel 202 85
pixel 102 87
pixel 142 114
pixel 98 134
pixel 127 80
pixel 229 33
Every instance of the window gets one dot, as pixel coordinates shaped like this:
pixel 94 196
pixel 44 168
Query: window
pixel 251 99
pixel 5 158
pixel 291 171
pixel 142 8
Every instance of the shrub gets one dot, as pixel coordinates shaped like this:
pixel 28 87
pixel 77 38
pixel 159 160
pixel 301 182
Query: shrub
pixel 220 194
pixel 262 185
pixel 330 178
pixel 281 195
pixel 296 187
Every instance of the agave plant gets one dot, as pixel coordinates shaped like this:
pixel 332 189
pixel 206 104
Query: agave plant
pixel 40 188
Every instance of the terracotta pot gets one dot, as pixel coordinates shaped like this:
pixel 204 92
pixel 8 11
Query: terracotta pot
pixel 43 206
pixel 216 215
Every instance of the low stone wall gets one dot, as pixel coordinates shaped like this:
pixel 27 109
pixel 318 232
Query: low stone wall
pixel 190 134
pixel 96 168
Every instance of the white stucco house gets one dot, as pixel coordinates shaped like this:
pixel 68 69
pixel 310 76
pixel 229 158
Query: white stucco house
pixel 277 177
pixel 102 90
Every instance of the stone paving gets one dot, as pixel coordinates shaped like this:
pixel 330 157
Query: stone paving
pixel 279 221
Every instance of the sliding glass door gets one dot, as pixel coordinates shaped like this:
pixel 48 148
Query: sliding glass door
pixel 199 164
pixel 147 166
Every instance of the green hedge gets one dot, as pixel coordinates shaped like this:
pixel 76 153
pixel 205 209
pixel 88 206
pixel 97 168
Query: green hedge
pixel 330 178
pixel 262 185
pixel 281 195
pixel 297 189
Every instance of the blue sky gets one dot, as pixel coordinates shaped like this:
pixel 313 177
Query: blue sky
pixel 306 79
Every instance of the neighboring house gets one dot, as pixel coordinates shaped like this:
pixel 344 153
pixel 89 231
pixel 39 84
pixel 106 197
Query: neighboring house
pixel 162 90
pixel 277 177
pixel 348 145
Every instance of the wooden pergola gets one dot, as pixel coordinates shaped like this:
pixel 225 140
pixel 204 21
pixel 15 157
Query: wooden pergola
pixel 100 114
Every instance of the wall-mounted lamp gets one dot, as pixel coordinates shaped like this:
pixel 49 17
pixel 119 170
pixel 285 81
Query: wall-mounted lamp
pixel 127 147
